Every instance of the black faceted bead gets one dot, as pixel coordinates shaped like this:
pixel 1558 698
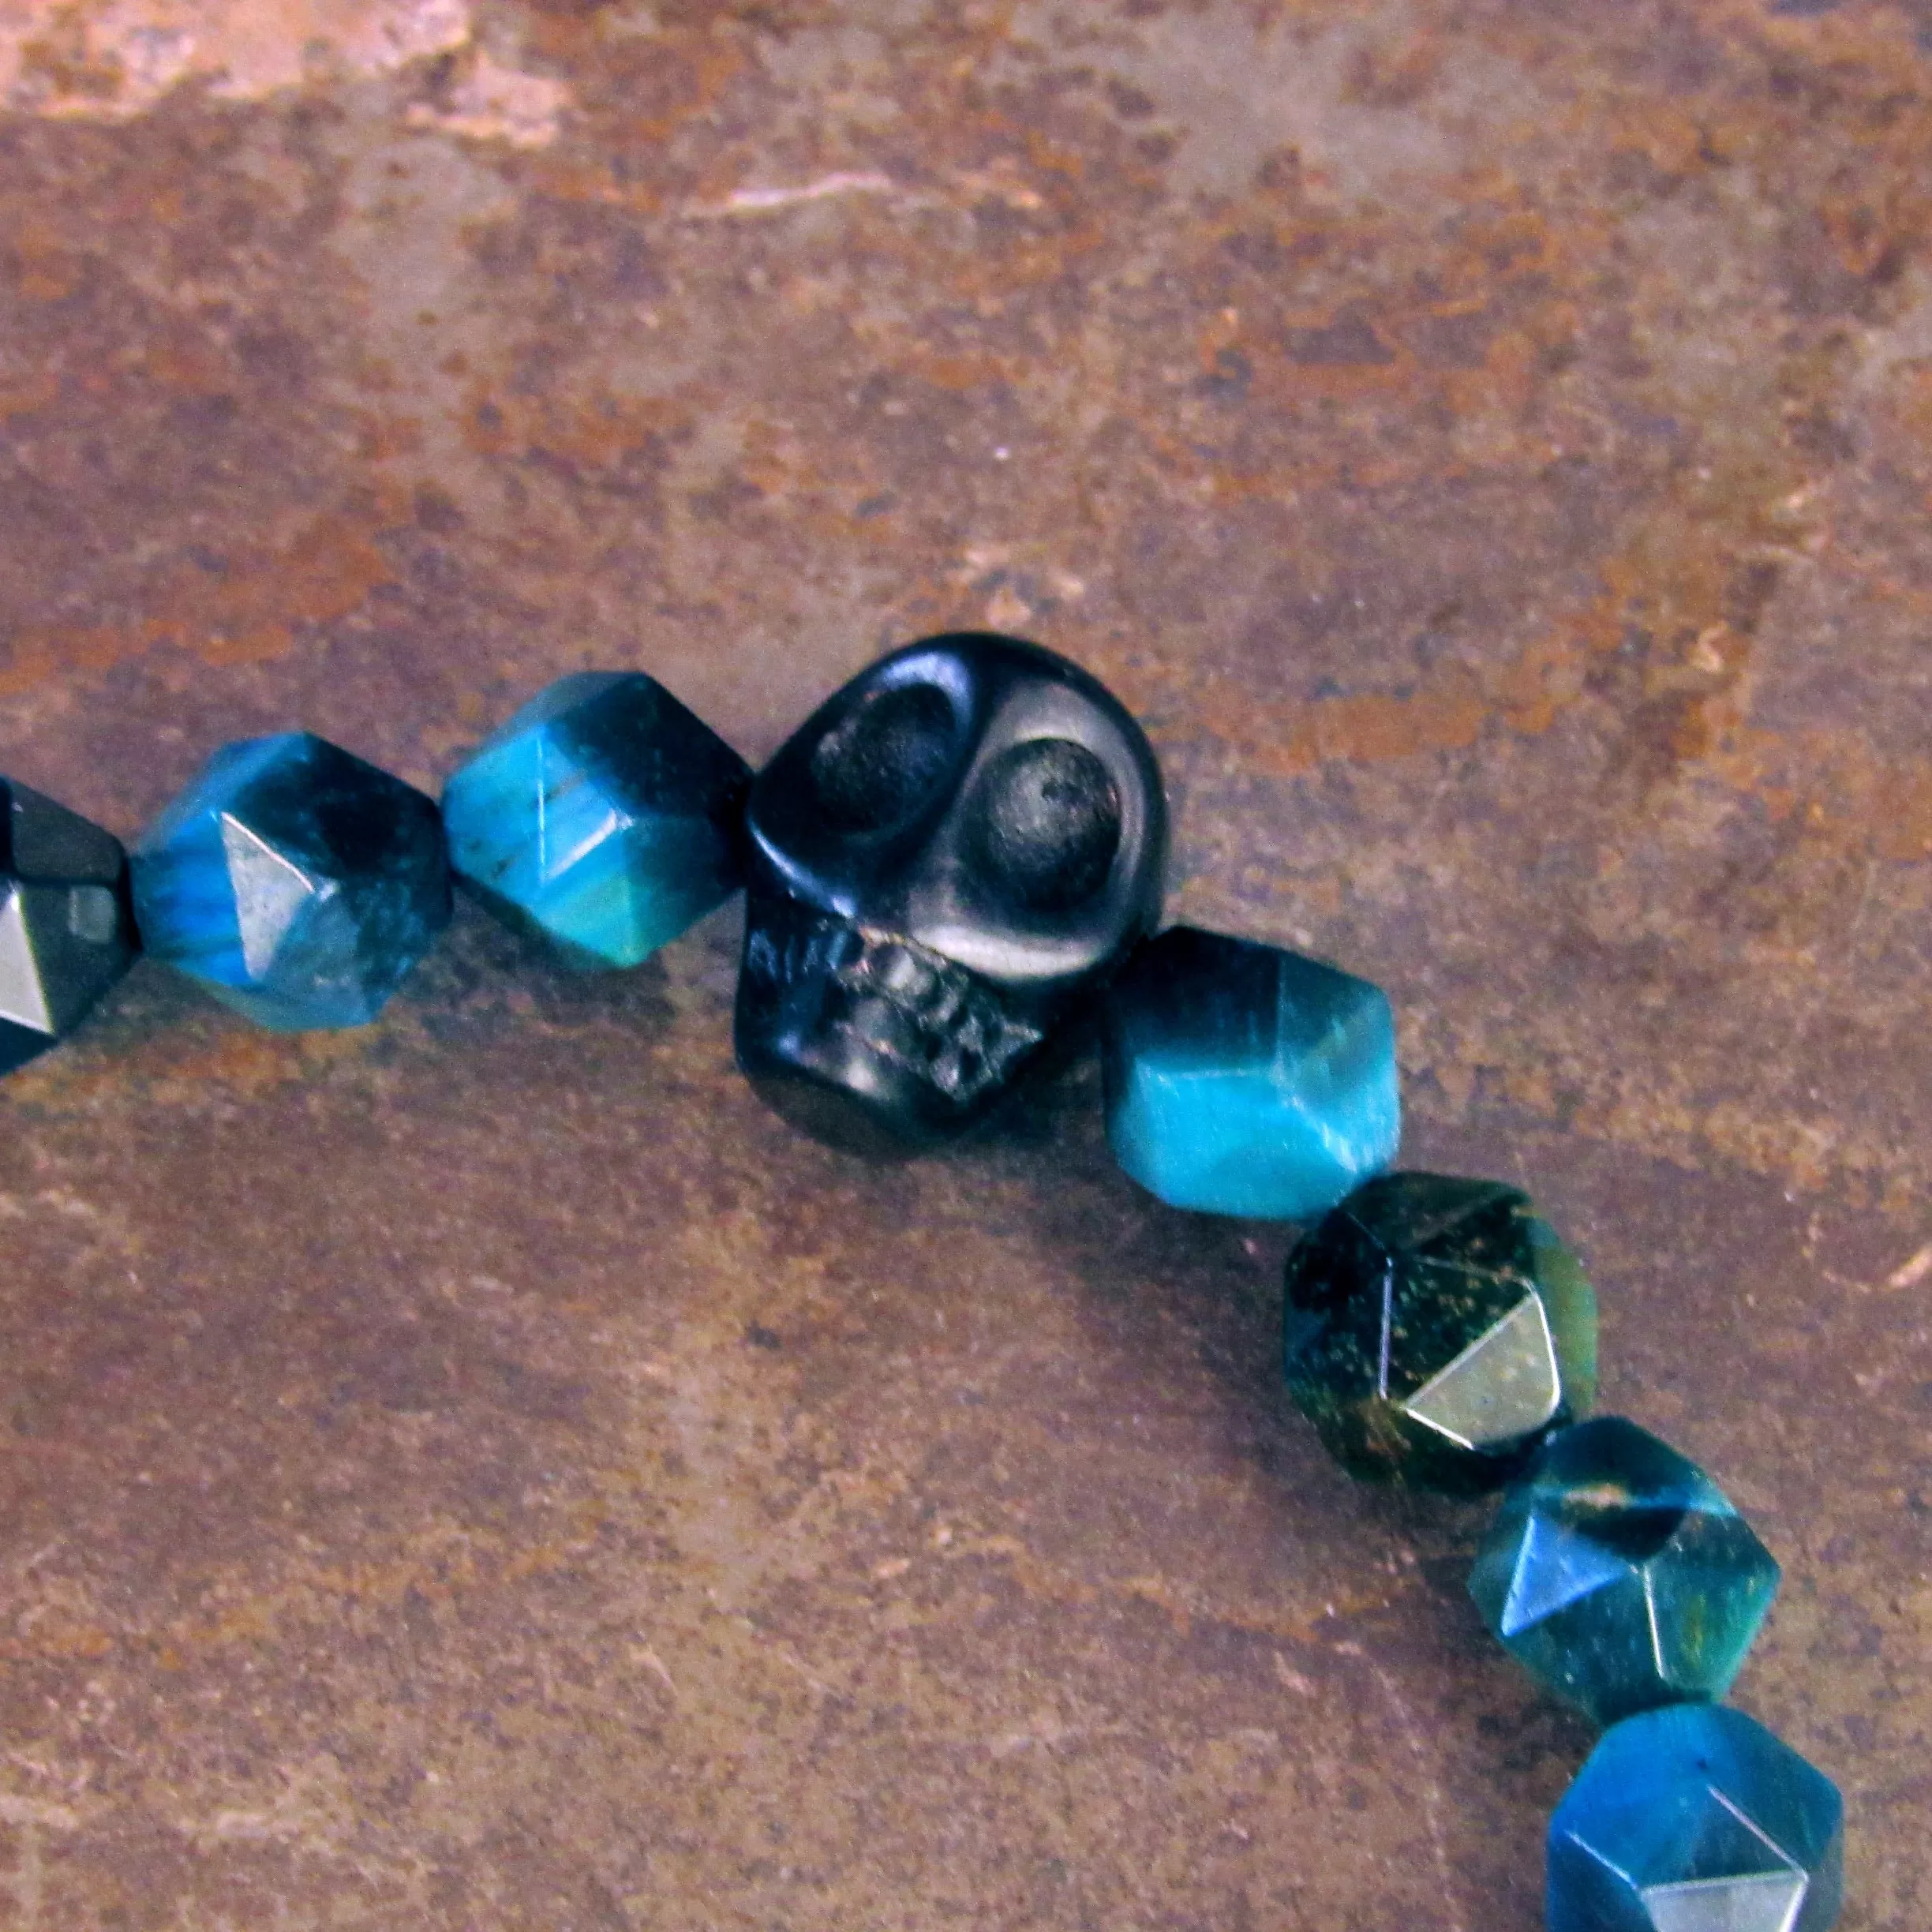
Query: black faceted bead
pixel 66 932
pixel 948 859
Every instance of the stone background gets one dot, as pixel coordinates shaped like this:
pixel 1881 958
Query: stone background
pixel 481 1471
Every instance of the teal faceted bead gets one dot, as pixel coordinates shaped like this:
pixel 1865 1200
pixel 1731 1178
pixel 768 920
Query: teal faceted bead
pixel 66 931
pixel 1437 1329
pixel 1694 1819
pixel 297 883
pixel 604 818
pixel 1244 1080
pixel 1618 1574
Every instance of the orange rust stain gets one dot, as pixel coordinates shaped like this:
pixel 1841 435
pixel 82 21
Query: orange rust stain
pixel 1367 726
pixel 382 438
pixel 61 62
pixel 595 432
pixel 323 570
pixel 704 64
pixel 326 569
pixel 244 1063
pixel 46 269
pixel 961 372
pixel 37 392
pixel 563 179
pixel 192 367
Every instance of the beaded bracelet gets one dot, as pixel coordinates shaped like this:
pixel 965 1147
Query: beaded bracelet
pixel 955 862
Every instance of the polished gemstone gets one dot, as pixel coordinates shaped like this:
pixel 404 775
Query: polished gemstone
pixel 1618 1574
pixel 1437 1330
pixel 66 933
pixel 604 818
pixel 1245 1080
pixel 1694 1819
pixel 296 882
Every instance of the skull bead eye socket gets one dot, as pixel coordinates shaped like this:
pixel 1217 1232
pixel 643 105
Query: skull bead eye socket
pixel 1046 824
pixel 874 767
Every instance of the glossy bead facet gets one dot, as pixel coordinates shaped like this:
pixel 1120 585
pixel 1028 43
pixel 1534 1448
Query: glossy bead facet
pixel 1437 1330
pixel 298 884
pixel 1618 1574
pixel 604 818
pixel 1244 1080
pixel 1694 1819
pixel 66 934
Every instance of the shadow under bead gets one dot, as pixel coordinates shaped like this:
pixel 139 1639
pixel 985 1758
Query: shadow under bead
pixel 66 926
pixel 947 860
pixel 1437 1330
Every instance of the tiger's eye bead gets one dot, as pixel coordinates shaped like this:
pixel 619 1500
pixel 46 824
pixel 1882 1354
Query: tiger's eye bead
pixel 298 884
pixel 1695 1819
pixel 1619 1575
pixel 66 934
pixel 604 818
pixel 1437 1330
pixel 1244 1080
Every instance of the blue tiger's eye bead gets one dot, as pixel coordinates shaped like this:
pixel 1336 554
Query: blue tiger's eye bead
pixel 66 935
pixel 1437 1330
pixel 1619 1575
pixel 604 818
pixel 1244 1080
pixel 1695 1819
pixel 297 883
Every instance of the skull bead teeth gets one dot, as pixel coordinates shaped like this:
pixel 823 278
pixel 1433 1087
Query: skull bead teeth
pixel 953 851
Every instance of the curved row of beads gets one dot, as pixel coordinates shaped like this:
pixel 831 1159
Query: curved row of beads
pixel 956 852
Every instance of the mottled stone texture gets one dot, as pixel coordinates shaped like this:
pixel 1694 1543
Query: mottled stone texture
pixel 483 1471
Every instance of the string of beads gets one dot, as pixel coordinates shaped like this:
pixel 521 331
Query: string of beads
pixel 953 862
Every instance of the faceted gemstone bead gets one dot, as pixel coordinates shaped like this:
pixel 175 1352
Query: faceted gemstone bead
pixel 1244 1080
pixel 1437 1329
pixel 1694 1819
pixel 604 818
pixel 66 931
pixel 298 884
pixel 1618 1574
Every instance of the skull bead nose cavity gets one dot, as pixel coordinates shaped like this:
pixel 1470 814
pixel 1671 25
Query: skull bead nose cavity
pixel 879 762
pixel 1046 824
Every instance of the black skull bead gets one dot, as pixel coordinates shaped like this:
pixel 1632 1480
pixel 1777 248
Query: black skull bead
pixel 951 851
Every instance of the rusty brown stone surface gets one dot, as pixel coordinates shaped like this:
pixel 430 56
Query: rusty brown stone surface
pixel 483 1472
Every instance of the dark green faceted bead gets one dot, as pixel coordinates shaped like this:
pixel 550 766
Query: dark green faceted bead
pixel 1437 1330
pixel 1619 1576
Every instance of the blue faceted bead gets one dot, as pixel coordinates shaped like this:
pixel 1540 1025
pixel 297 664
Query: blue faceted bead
pixel 297 883
pixel 1618 1574
pixel 1695 1819
pixel 604 818
pixel 1244 1080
